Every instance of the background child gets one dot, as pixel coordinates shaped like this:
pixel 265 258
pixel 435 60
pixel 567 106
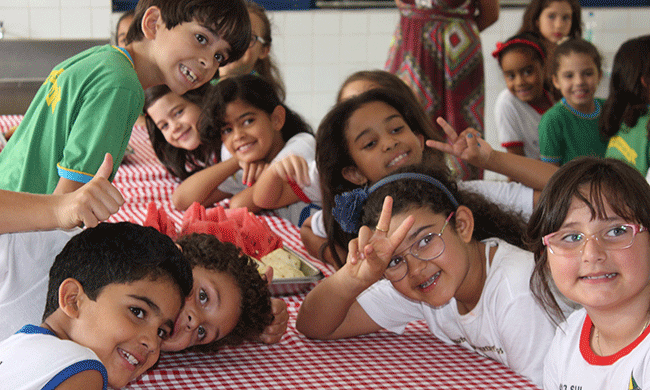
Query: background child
pixel 258 59
pixel 625 113
pixel 122 27
pixel 230 301
pixel 449 258
pixel 590 240
pixel 172 124
pixel 114 293
pixel 554 21
pixel 570 128
pixel 245 115
pixel 520 106
pixel 89 103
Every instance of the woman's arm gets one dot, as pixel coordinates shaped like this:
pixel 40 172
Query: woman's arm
pixel 203 185
pixel 488 13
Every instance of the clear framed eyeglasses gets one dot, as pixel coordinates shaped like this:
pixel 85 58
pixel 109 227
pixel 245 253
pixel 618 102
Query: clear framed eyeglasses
pixel 426 248
pixel 255 38
pixel 569 242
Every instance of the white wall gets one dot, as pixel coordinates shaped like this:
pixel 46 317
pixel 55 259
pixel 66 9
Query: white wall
pixel 56 19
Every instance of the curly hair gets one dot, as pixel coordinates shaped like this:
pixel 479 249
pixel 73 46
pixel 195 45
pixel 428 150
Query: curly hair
pixel 332 153
pixel 205 250
pixel 597 182
pixel 535 8
pixel 628 87
pixel 490 220
pixel 179 162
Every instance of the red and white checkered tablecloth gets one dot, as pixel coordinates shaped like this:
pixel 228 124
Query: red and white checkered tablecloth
pixel 414 360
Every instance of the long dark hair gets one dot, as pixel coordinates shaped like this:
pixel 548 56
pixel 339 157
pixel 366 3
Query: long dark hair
pixel 266 67
pixel 332 153
pixel 628 96
pixel 490 220
pixel 597 182
pixel 534 10
pixel 249 89
pixel 181 163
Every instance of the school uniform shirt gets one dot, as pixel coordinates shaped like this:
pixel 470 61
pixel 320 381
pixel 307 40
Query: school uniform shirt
pixel 510 195
pixel 506 325
pixel 631 145
pixel 34 358
pixel 301 144
pixel 563 135
pixel 25 262
pixel 571 364
pixel 517 123
pixel 85 109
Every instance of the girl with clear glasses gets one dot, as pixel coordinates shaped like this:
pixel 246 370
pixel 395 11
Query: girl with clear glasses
pixel 438 254
pixel 590 240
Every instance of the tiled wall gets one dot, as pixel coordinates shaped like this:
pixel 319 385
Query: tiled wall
pixel 56 19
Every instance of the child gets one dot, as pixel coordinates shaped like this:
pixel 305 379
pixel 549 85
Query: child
pixel 245 115
pixel 554 21
pixel 625 113
pixel 570 128
pixel 89 103
pixel 172 124
pixel 257 60
pixel 384 131
pixel 450 258
pixel 230 301
pixel 123 24
pixel 114 293
pixel 520 106
pixel 590 240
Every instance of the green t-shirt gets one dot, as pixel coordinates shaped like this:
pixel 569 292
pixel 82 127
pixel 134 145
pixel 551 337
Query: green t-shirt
pixel 564 135
pixel 85 109
pixel 631 145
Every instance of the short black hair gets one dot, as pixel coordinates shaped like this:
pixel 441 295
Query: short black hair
pixel 114 253
pixel 227 19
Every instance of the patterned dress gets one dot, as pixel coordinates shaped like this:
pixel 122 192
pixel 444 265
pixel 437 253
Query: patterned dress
pixel 437 52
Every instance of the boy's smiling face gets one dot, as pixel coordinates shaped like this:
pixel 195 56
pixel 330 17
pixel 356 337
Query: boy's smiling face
pixel 126 325
pixel 187 55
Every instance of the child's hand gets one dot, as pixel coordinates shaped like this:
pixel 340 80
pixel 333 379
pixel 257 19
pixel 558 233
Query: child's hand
pixel 370 253
pixel 92 203
pixel 274 332
pixel 293 168
pixel 252 171
pixel 467 145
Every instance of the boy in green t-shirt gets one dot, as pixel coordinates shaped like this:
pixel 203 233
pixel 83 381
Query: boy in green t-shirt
pixel 89 103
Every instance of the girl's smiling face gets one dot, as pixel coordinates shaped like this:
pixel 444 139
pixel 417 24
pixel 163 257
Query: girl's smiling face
pixel 251 134
pixel 524 75
pixel 211 311
pixel 379 141
pixel 176 119
pixel 438 280
pixel 554 23
pixel 597 278
pixel 577 78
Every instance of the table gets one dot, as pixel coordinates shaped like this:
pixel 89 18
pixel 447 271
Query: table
pixel 414 360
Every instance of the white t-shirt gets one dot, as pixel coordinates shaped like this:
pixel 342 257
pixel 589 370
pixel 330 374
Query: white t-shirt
pixel 571 364
pixel 511 195
pixel 506 325
pixel 25 262
pixel 517 123
pixel 35 358
pixel 301 144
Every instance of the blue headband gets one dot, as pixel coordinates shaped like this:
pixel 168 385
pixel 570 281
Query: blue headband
pixel 348 205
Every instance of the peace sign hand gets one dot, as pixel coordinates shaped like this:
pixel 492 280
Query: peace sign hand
pixel 371 252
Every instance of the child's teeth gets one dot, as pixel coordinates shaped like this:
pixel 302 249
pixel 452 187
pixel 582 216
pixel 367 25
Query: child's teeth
pixel 608 276
pixel 430 281
pixel 130 358
pixel 187 72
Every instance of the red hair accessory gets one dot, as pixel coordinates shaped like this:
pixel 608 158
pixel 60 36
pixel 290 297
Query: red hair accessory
pixel 502 46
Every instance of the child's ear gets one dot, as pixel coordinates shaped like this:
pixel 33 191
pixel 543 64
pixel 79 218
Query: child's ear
pixel 70 292
pixel 151 21
pixel 278 117
pixel 464 223
pixel 264 52
pixel 353 175
pixel 556 82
